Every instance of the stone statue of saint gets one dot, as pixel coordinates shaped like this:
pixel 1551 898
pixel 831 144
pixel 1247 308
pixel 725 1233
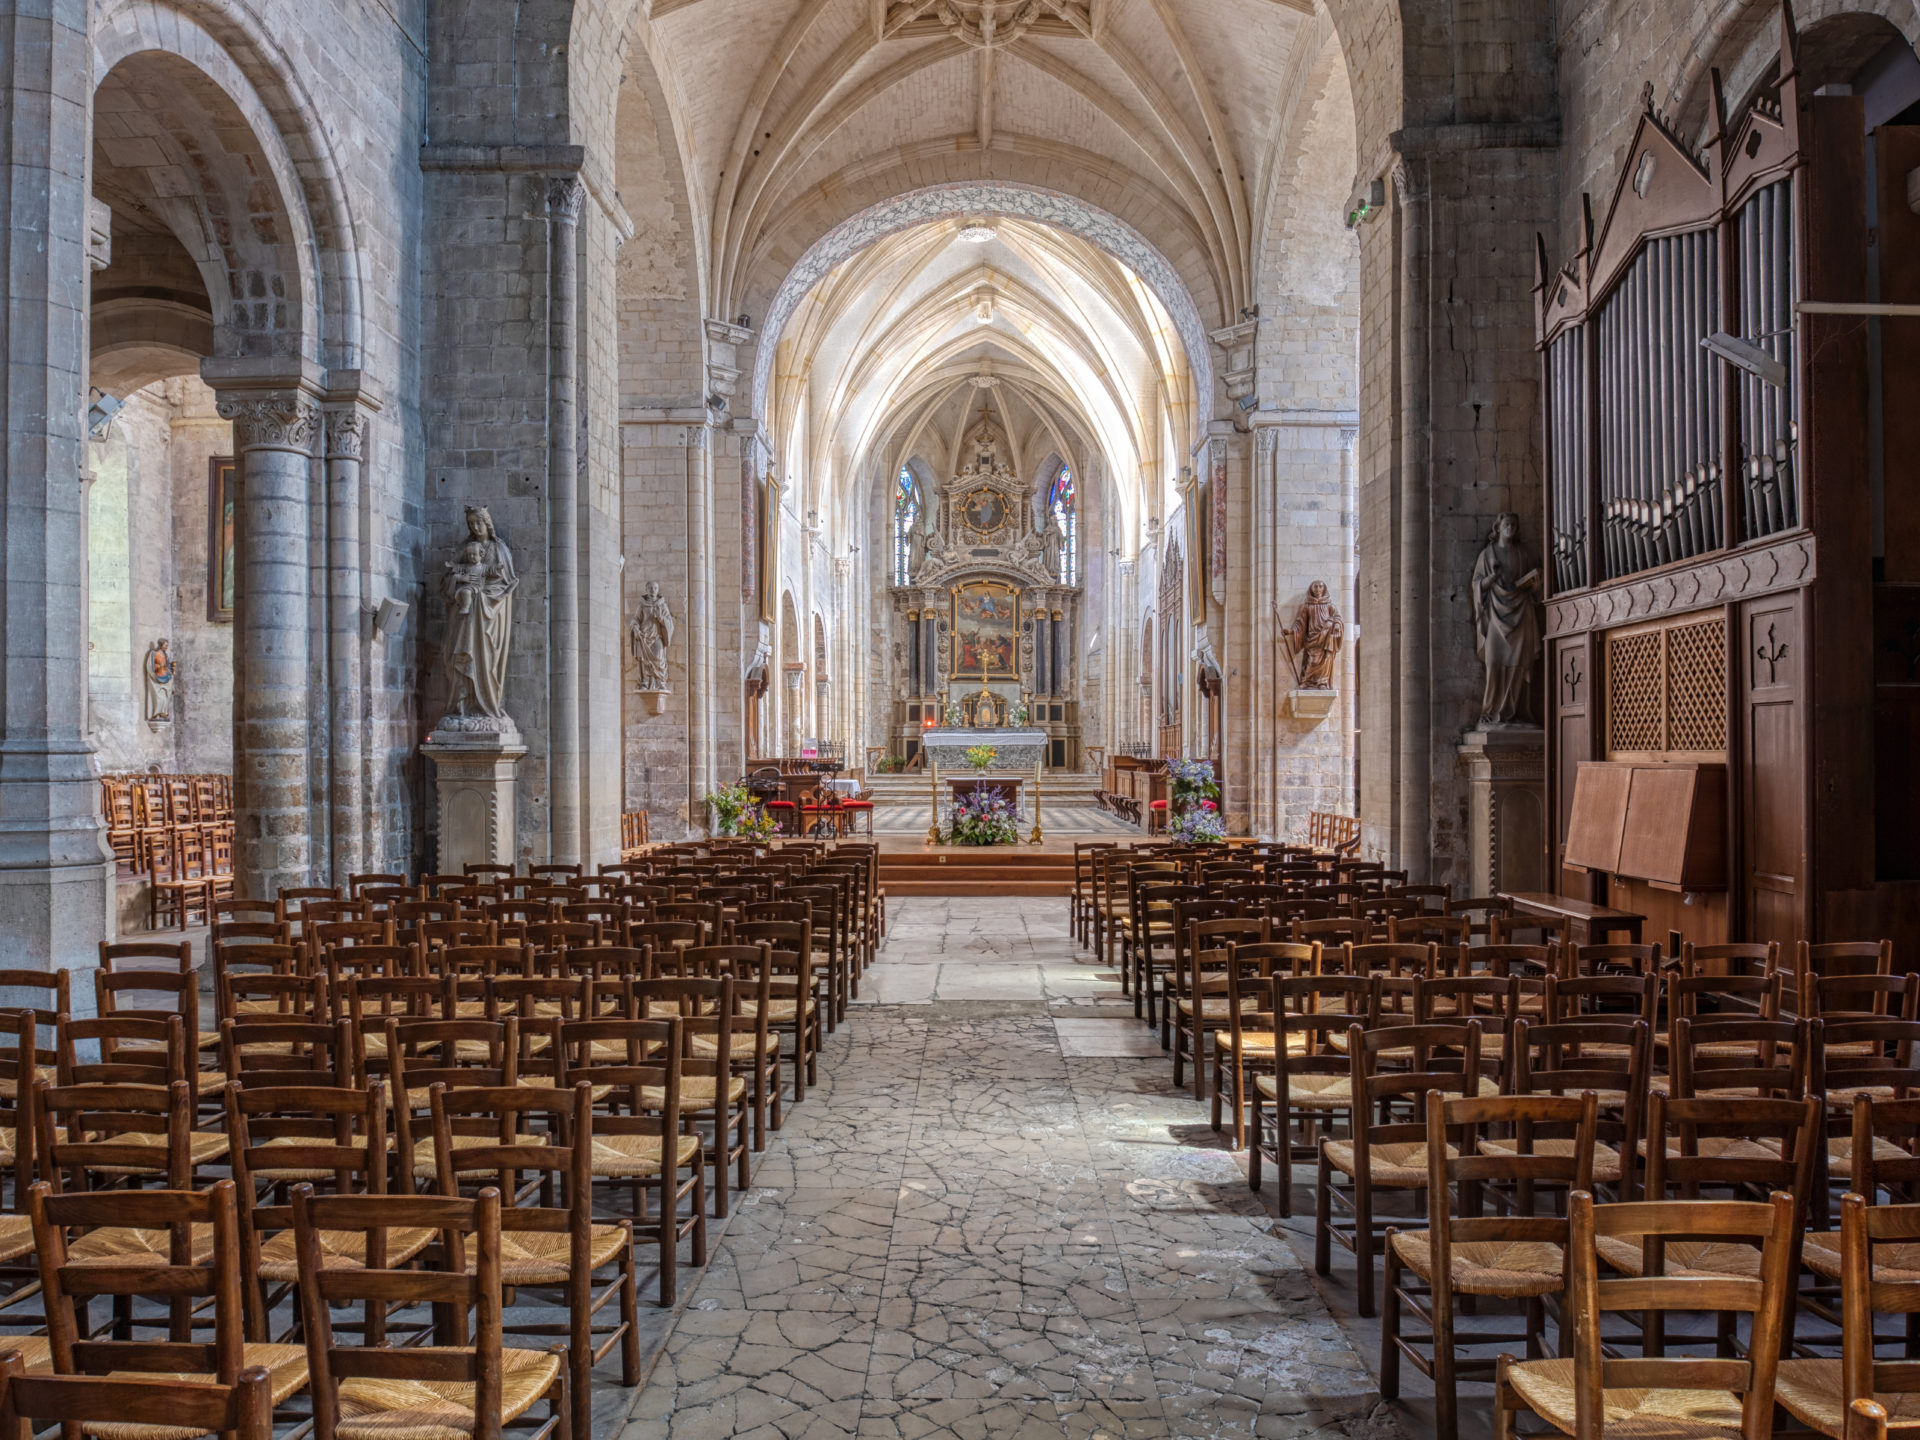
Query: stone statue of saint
pixel 1506 624
pixel 1051 544
pixel 916 551
pixel 479 583
pixel 1315 638
pixel 157 672
pixel 650 633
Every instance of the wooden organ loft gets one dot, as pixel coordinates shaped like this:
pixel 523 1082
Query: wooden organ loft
pixel 1733 577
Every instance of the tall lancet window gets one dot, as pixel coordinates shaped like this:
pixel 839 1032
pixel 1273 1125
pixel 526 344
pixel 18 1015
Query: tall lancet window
pixel 906 519
pixel 1063 505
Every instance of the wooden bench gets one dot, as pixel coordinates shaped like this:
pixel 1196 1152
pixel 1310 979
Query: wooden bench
pixel 1592 924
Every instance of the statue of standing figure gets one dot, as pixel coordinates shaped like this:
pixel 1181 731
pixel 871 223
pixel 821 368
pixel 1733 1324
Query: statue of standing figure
pixel 1315 638
pixel 650 633
pixel 1506 624
pixel 157 672
pixel 479 583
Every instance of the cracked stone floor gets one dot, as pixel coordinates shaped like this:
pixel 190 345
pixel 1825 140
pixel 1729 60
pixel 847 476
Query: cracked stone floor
pixel 985 1223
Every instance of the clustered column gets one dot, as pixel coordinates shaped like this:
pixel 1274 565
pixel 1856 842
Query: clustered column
pixel 345 442
pixel 273 436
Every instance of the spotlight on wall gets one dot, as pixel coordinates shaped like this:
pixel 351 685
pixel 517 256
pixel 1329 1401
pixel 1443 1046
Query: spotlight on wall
pixel 1747 356
pixel 1368 201
pixel 100 415
pixel 388 618
pixel 1248 402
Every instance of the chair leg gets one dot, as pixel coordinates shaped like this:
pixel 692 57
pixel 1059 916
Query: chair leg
pixel 1323 1220
pixel 1390 1329
pixel 1363 1247
pixel 1254 1176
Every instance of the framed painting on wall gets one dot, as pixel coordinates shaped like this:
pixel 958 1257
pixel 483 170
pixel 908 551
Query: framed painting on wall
pixel 222 501
pixel 986 630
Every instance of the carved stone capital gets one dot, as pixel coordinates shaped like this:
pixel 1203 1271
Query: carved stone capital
pixel 565 195
pixel 346 432
pixel 278 420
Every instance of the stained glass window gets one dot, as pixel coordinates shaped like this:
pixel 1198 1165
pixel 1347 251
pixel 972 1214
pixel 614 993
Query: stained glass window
pixel 1063 505
pixel 906 519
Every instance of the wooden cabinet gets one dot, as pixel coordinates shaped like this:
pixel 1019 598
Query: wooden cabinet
pixel 1665 824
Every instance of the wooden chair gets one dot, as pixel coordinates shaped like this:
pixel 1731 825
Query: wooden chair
pixel 1520 1255
pixel 373 1390
pixel 1387 1154
pixel 1732 1147
pixel 1312 1083
pixel 1195 1002
pixel 795 1007
pixel 755 1047
pixel 188 884
pixel 1590 1394
pixel 710 1090
pixel 1244 1045
pixel 1604 1059
pixel 186 1271
pixel 459 1054
pixel 637 1139
pixel 555 1244
pixel 1875 1240
pixel 306 1135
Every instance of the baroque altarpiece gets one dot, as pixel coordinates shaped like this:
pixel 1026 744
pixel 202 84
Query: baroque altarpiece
pixel 986 609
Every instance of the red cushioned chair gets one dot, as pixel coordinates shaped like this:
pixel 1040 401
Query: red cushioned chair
pixel 786 816
pixel 855 810
pixel 1156 816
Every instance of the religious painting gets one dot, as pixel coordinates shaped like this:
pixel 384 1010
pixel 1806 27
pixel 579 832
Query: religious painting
pixel 985 511
pixel 222 500
pixel 986 618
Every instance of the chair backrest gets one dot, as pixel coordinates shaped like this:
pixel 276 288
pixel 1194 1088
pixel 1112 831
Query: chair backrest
pixel 1730 959
pixel 132 1049
pixel 467 1228
pixel 274 1049
pixel 1381 958
pixel 157 954
pixel 1722 1143
pixel 1764 1057
pixel 240 1411
pixel 1600 1058
pixel 1617 999
pixel 84 1132
pixel 176 1278
pixel 1865 1294
pixel 1886 1148
pixel 1333 931
pixel 1615 960
pixel 1652 1223
pixel 1494 1141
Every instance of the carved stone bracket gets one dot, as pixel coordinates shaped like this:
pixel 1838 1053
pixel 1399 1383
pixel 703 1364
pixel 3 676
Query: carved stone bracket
pixel 1741 575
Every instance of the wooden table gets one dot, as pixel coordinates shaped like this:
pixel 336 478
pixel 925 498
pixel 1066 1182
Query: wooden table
pixel 1597 920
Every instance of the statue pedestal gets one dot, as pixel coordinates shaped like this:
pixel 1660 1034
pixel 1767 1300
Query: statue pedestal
pixel 1507 808
pixel 655 700
pixel 474 775
pixel 1311 704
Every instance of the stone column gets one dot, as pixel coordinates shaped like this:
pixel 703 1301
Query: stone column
pixel 346 435
pixel 913 652
pixel 274 432
pixel 56 878
pixel 1057 669
pixel 1412 841
pixel 566 843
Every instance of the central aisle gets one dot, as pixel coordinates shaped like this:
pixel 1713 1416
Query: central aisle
pixel 968 1231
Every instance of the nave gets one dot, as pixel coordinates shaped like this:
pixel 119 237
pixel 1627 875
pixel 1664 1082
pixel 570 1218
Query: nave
pixel 1001 1219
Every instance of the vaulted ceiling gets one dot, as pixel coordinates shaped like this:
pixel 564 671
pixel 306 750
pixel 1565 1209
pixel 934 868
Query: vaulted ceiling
pixel 891 346
pixel 793 114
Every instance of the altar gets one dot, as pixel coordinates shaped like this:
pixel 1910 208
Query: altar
pixel 1013 749
pixel 1017 753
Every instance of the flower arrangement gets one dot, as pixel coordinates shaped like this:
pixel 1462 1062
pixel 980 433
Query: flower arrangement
pixel 1190 782
pixel 728 806
pixel 756 824
pixel 1199 825
pixel 980 757
pixel 955 719
pixel 1019 716
pixel 985 817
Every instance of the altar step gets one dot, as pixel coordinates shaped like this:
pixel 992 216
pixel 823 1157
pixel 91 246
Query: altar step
pixel 991 870
pixel 1056 787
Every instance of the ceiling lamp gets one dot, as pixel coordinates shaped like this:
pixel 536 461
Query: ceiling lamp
pixel 978 233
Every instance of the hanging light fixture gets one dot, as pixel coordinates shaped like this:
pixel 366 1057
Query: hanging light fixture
pixel 978 232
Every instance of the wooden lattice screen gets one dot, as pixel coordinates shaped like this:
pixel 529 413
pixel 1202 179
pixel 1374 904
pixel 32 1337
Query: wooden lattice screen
pixel 1667 688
